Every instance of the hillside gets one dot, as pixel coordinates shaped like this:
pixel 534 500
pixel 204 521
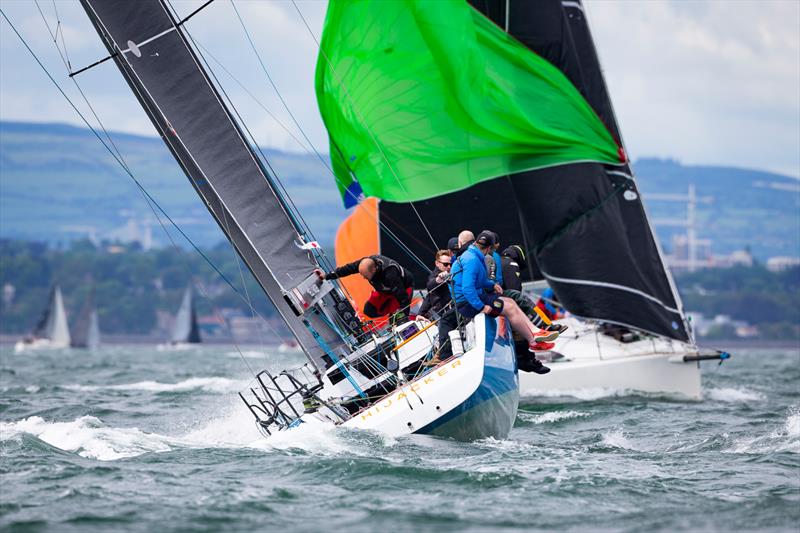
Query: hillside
pixel 57 181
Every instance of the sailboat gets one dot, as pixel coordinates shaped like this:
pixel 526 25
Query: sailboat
pixel 356 376
pixel 185 331
pixel 86 329
pixel 583 226
pixel 366 377
pixel 51 331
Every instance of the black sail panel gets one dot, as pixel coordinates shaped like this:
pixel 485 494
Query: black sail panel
pixel 584 225
pixel 164 73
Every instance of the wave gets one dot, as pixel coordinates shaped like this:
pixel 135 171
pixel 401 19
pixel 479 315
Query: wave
pixel 617 439
pixel 88 437
pixel 732 395
pixel 784 439
pixel 554 416
pixel 209 384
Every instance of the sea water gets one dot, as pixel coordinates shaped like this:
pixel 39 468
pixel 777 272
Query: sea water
pixel 132 439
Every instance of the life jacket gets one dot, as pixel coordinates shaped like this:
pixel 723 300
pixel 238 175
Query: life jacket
pixel 384 265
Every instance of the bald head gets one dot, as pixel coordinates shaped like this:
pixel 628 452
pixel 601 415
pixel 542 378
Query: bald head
pixel 367 267
pixel 464 237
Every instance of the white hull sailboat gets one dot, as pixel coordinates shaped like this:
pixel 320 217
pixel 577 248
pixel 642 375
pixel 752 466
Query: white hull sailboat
pixel 583 228
pixel 52 330
pixel 586 362
pixel 384 379
pixel 469 396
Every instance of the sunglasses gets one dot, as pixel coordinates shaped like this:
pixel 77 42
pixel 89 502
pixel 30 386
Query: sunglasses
pixel 443 263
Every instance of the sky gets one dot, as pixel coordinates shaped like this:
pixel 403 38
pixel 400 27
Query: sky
pixel 704 82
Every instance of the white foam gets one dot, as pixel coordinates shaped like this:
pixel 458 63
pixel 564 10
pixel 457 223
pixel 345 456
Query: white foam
pixel 733 395
pixel 617 439
pixel 594 393
pixel 233 427
pixel 89 437
pixel 793 425
pixel 553 416
pixel 209 384
pixel 784 439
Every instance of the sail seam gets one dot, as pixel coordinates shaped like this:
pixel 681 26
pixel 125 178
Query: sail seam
pixel 608 285
pixel 571 3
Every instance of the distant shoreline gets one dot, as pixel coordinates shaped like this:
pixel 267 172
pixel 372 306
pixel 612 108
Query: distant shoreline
pixel 110 340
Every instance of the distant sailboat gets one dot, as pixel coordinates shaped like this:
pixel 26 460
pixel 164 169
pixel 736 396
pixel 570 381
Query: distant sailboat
pixel 86 331
pixel 52 330
pixel 185 330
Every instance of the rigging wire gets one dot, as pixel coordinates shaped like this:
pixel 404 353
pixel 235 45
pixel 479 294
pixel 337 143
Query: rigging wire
pixel 127 168
pixel 319 156
pixel 372 136
pixel 120 161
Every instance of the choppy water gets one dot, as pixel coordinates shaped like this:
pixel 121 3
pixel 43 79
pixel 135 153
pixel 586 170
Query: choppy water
pixel 130 439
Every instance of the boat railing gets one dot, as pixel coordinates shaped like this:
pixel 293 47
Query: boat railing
pixel 281 399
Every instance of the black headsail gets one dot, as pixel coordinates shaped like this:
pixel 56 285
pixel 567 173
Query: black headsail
pixel 584 224
pixel 156 59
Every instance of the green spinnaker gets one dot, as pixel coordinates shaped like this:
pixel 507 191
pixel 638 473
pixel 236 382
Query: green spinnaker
pixel 425 97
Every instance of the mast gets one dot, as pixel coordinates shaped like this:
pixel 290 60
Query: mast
pixel 155 57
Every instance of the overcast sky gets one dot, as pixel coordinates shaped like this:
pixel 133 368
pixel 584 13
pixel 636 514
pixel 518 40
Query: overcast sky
pixel 705 82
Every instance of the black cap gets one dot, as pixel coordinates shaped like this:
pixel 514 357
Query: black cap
pixel 485 238
pixel 452 244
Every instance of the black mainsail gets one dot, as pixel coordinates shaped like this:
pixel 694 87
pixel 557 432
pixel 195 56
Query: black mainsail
pixel 584 224
pixel 154 55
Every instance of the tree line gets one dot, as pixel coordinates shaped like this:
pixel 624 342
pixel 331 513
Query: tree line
pixel 131 285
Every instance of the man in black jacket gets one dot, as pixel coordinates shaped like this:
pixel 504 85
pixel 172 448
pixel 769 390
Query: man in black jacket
pixel 392 284
pixel 513 262
pixel 438 290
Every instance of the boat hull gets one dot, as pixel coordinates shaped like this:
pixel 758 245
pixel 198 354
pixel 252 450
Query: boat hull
pixel 595 362
pixel 470 397
pixel 491 410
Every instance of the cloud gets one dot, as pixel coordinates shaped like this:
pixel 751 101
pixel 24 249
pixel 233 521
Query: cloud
pixel 707 82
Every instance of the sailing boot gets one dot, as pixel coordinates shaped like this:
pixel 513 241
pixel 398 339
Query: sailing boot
pixel 540 346
pixel 560 328
pixel 545 336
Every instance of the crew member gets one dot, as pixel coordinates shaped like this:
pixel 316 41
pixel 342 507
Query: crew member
pixel 470 283
pixel 438 291
pixel 494 265
pixel 465 238
pixel 392 284
pixel 513 262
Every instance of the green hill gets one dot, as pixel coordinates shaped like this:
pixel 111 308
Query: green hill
pixel 58 180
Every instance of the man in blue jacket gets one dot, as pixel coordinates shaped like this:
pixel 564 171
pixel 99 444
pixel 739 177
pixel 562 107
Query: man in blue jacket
pixel 471 286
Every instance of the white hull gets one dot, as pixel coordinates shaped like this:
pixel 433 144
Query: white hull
pixel 176 346
pixel 594 362
pixel 468 397
pixel 39 344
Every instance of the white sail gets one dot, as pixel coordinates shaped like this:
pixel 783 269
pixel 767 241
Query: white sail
pixel 57 329
pixel 185 328
pixel 93 337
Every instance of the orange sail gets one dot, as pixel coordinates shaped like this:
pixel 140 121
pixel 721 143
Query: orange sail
pixel 357 237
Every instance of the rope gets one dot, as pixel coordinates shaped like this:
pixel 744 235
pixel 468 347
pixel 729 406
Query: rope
pixel 121 162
